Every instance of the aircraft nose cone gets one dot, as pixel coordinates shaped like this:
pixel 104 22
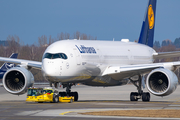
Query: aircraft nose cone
pixel 49 69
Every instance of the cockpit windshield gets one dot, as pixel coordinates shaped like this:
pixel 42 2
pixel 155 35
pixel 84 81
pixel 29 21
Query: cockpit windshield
pixel 55 56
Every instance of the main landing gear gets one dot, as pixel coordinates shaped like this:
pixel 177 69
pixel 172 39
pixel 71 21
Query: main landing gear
pixel 68 91
pixel 134 96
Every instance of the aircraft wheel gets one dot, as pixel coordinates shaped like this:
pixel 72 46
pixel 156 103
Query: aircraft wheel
pixel 75 94
pixel 133 96
pixel 146 97
pixel 50 84
pixel 62 94
pixel 55 99
pixel 56 85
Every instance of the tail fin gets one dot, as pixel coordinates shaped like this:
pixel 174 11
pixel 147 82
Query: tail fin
pixel 7 66
pixel 147 31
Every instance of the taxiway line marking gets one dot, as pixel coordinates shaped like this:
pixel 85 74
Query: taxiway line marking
pixel 81 111
pixel 65 113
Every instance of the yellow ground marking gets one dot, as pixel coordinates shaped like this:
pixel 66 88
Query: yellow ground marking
pixel 65 112
pixel 82 111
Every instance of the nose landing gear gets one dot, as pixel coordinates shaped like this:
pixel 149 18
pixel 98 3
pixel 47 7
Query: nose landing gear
pixel 68 91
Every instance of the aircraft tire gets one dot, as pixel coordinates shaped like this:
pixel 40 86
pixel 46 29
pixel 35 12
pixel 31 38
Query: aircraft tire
pixel 133 96
pixel 146 97
pixel 60 94
pixel 75 94
pixel 63 94
pixel 56 99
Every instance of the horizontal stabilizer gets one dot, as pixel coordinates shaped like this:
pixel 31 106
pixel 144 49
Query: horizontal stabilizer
pixel 7 66
pixel 163 55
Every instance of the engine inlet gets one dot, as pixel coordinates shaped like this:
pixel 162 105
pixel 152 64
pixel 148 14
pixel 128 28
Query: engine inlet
pixel 158 82
pixel 15 81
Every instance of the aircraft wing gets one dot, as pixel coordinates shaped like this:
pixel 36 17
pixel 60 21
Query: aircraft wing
pixel 36 83
pixel 166 54
pixel 34 64
pixel 130 70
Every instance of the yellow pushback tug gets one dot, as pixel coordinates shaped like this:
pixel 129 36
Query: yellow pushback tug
pixel 46 94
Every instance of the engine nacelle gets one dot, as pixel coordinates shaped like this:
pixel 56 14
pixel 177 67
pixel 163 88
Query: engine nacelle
pixel 17 80
pixel 161 82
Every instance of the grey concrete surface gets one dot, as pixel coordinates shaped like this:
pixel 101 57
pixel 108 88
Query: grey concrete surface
pixel 90 99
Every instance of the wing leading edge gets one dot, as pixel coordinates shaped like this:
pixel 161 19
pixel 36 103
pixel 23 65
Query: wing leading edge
pixel 34 64
pixel 128 71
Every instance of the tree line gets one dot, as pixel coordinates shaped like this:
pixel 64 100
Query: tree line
pixel 167 42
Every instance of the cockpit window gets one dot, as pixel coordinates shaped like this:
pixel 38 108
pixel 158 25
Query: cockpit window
pixel 55 56
pixel 48 55
pixel 63 56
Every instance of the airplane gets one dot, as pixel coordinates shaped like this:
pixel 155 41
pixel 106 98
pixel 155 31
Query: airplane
pixel 7 66
pixel 101 63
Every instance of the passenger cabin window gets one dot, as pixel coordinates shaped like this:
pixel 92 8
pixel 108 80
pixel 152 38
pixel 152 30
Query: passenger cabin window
pixel 55 56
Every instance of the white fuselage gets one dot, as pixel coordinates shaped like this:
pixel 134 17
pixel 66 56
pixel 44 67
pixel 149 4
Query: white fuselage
pixel 86 60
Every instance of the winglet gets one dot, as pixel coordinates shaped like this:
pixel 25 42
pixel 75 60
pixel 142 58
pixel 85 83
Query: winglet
pixel 147 31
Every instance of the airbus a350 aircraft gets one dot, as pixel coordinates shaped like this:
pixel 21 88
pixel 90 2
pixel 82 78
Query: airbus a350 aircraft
pixel 100 63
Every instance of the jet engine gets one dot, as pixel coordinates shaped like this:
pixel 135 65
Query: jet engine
pixel 161 82
pixel 17 80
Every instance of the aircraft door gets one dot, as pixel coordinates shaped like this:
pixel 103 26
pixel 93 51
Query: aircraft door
pixel 77 55
pixel 130 56
pixel 101 57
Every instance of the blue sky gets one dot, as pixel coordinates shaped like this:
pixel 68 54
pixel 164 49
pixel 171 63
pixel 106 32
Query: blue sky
pixel 104 19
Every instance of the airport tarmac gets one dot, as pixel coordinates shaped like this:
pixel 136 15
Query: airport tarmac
pixel 90 99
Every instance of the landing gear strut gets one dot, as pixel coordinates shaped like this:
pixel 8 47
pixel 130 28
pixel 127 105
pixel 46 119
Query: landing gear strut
pixel 68 91
pixel 134 96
